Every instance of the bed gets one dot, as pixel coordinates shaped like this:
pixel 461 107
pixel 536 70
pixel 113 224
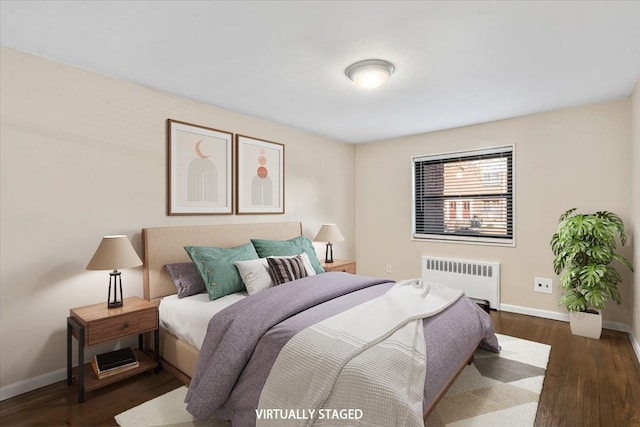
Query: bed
pixel 165 245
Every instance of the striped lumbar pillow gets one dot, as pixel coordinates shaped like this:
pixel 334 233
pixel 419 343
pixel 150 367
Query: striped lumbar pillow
pixel 284 270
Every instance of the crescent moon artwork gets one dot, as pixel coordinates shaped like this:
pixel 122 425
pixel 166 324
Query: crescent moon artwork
pixel 199 152
pixel 199 170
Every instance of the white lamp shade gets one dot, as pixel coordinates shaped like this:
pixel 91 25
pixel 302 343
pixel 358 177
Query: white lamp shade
pixel 329 233
pixel 114 252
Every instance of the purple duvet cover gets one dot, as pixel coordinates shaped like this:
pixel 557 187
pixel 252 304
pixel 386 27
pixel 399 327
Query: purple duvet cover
pixel 243 341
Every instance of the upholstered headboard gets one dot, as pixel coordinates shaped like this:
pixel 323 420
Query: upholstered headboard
pixel 165 245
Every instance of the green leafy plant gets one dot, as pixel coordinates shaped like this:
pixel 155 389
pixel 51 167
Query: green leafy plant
pixel 584 247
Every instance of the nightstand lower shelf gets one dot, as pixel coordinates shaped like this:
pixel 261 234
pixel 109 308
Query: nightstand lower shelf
pixel 91 382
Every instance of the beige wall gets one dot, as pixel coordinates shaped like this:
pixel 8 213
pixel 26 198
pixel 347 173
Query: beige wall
pixel 84 155
pixel 635 199
pixel 575 157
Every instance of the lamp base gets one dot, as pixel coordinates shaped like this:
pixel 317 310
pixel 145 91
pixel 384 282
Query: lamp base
pixel 328 255
pixel 115 281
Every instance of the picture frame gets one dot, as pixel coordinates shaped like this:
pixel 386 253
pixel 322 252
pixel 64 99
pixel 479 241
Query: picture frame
pixel 200 170
pixel 259 176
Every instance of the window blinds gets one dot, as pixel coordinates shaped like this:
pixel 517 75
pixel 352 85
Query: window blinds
pixel 464 196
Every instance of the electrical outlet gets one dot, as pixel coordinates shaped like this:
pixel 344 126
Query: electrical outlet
pixel 541 284
pixel 388 268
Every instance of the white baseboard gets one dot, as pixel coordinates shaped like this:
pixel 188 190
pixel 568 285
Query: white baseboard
pixel 564 317
pixel 553 315
pixel 635 345
pixel 30 384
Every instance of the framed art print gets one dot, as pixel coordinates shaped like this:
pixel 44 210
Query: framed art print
pixel 199 169
pixel 260 176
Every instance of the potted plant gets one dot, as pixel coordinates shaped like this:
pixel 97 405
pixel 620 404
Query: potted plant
pixel 584 248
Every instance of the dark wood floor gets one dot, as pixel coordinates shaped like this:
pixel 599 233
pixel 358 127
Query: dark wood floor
pixel 588 383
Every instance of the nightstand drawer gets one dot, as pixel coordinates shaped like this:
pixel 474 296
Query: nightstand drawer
pixel 344 266
pixel 351 268
pixel 347 268
pixel 119 326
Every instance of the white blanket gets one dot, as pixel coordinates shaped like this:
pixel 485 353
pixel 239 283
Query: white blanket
pixel 188 318
pixel 363 367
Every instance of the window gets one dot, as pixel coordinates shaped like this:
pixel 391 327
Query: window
pixel 465 196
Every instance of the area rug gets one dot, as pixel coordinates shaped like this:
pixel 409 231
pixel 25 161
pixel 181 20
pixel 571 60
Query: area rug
pixel 496 390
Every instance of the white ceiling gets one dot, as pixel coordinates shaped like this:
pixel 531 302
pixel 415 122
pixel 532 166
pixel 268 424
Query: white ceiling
pixel 457 63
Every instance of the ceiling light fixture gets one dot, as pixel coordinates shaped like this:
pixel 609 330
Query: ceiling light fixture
pixel 370 73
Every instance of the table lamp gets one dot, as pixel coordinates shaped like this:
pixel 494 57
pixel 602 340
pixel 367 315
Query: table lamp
pixel 329 233
pixel 114 252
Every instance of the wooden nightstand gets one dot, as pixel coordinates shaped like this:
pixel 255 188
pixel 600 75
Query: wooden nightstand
pixel 347 266
pixel 96 324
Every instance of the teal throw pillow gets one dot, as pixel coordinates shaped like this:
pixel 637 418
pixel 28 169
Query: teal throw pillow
pixel 215 265
pixel 291 247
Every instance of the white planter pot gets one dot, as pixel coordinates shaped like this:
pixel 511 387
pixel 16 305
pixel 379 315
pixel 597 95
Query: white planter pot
pixel 586 324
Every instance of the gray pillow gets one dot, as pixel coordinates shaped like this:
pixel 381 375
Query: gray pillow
pixel 186 278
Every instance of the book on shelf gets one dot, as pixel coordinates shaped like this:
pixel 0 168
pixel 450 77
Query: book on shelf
pixel 114 362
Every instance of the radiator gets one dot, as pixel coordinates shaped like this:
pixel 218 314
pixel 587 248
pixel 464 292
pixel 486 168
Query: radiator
pixel 478 279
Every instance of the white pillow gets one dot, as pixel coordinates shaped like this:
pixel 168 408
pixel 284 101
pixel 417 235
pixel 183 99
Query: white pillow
pixel 255 274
